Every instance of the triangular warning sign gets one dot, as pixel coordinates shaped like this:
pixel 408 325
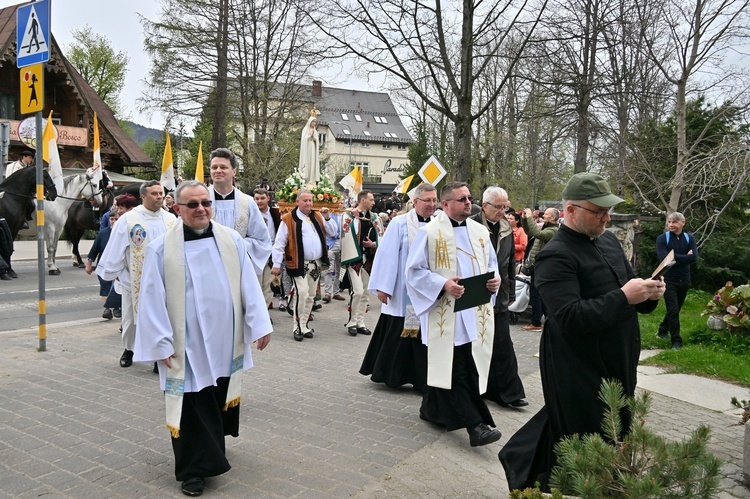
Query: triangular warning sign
pixel 33 41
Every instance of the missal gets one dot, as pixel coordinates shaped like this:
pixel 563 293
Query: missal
pixel 664 266
pixel 475 292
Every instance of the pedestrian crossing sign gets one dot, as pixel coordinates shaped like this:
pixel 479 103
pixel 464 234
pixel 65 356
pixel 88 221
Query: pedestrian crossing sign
pixel 32 88
pixel 432 171
pixel 32 33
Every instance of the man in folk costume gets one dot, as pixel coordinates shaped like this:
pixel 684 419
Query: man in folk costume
pixel 272 219
pixel 201 310
pixel 396 355
pixel 504 386
pixel 301 245
pixel 124 254
pixel 233 208
pixel 459 344
pixel 360 231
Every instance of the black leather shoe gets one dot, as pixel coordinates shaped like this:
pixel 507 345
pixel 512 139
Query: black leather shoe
pixel 193 487
pixel 309 334
pixel 117 312
pixel 516 403
pixel 6 277
pixel 107 314
pixel 12 273
pixel 364 330
pixel 156 368
pixel 298 335
pixel 317 306
pixel 290 311
pixel 126 360
pixel 352 330
pixel 662 335
pixel 482 434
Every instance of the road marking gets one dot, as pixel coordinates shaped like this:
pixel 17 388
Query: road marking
pixel 81 322
pixel 48 289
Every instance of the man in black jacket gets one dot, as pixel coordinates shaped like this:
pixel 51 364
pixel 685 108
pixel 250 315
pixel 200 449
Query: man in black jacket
pixel 678 277
pixel 593 298
pixel 504 385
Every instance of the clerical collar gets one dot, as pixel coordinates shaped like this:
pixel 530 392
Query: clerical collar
pixel 420 218
pixel 195 234
pixel 457 224
pixel 222 197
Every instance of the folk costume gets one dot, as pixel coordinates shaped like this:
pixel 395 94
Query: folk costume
pixel 459 344
pixel 202 303
pixel 591 334
pixel 396 355
pixel 358 260
pixel 239 211
pixel 123 259
pixel 504 386
pixel 272 219
pixel 300 244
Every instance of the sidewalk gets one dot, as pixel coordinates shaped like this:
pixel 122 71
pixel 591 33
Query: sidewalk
pixel 26 251
pixel 75 424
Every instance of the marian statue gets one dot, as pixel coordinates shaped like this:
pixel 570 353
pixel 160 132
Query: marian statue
pixel 309 153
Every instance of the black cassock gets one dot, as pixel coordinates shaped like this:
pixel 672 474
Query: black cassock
pixel 591 334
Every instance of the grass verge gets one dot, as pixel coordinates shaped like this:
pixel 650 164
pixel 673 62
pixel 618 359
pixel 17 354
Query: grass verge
pixel 716 354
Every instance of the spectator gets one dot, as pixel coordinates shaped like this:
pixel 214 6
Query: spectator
pixel 542 236
pixel 520 239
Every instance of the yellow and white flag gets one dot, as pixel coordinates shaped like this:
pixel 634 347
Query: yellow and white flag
pixel 96 166
pixel 167 168
pixel 199 164
pixel 353 182
pixel 51 155
pixel 403 186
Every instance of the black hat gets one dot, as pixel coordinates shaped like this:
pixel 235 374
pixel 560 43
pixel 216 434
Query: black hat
pixel 27 153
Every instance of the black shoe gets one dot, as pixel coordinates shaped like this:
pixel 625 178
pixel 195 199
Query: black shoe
pixel 25 226
pixel 482 434
pixel 364 330
pixel 317 306
pixel 298 335
pixel 309 334
pixel 117 312
pixel 282 307
pixel 12 273
pixel 352 330
pixel 6 277
pixel 676 346
pixel 107 314
pixel 289 311
pixel 515 403
pixel 662 335
pixel 126 360
pixel 193 487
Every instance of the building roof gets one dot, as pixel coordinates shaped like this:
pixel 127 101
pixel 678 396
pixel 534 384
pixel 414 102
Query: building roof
pixel 369 116
pixel 133 154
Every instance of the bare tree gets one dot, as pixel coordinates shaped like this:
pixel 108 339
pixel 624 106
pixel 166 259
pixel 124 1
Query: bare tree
pixel 685 38
pixel 436 45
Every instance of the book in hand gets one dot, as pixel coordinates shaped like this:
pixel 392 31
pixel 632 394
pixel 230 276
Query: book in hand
pixel 664 266
pixel 475 292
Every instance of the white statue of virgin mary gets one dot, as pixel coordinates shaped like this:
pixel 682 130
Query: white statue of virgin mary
pixel 309 153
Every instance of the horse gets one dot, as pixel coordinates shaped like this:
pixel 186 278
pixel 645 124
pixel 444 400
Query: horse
pixel 78 189
pixel 17 191
pixel 82 217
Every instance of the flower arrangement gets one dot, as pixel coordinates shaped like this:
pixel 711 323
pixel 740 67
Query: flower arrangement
pixel 732 304
pixel 324 192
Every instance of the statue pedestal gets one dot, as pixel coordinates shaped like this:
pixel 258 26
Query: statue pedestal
pixel 285 207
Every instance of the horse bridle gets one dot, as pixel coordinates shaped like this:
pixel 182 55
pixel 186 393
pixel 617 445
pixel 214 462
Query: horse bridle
pixel 80 198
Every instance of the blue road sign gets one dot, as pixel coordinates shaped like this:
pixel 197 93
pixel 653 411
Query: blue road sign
pixel 32 33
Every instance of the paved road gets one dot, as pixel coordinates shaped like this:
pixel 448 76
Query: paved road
pixel 72 295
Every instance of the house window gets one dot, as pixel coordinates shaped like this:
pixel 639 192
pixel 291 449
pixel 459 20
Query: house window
pixel 366 132
pixel 364 166
pixel 344 117
pixel 347 131
pixel 394 136
pixel 386 146
pixel 402 147
pixel 358 117
pixel 365 144
pixel 8 106
pixel 377 119
pixel 383 120
pixel 322 138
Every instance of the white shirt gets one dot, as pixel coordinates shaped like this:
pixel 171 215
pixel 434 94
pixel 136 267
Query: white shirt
pixel 311 245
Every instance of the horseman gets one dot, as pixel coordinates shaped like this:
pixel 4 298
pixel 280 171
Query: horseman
pixel 25 161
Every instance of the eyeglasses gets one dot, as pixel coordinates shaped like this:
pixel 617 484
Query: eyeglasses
pixel 501 207
pixel 206 203
pixel 428 201
pixel 598 213
pixel 464 199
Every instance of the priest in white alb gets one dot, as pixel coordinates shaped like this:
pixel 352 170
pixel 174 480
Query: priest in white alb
pixel 201 310
pixel 233 208
pixel 459 344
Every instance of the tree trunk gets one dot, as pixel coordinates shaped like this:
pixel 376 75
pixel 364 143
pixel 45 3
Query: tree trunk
pixel 219 134
pixel 678 184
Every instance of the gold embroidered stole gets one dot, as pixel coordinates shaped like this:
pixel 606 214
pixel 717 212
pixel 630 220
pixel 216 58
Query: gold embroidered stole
pixel 441 320
pixel 174 281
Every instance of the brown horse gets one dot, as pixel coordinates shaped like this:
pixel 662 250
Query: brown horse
pixel 17 192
